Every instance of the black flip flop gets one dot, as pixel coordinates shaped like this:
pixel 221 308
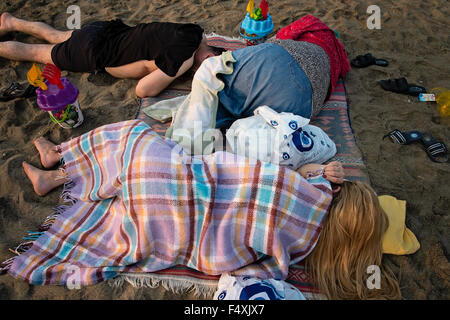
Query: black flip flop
pixel 401 85
pixel 436 150
pixel 366 60
pixel 16 90
pixel 404 137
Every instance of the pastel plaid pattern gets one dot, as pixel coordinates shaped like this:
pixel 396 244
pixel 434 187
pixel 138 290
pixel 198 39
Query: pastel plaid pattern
pixel 141 206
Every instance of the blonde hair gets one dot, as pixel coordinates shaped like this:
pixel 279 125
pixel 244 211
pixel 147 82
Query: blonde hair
pixel 350 242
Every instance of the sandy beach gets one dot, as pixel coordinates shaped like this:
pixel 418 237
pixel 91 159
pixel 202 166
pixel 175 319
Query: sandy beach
pixel 413 38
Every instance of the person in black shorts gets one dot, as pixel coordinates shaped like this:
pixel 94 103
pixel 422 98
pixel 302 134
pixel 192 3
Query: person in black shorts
pixel 156 53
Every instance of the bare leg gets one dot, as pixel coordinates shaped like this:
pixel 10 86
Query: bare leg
pixel 37 29
pixel 18 51
pixel 48 152
pixel 43 181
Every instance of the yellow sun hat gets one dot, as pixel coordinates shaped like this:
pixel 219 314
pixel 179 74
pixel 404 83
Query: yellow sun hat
pixel 398 239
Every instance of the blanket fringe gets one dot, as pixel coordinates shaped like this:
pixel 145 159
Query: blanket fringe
pixel 213 34
pixel 44 226
pixel 174 285
pixel 200 290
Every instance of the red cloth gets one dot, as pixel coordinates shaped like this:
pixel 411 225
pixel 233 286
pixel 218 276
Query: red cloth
pixel 311 29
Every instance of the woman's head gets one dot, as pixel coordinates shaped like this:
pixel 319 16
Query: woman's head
pixel 350 242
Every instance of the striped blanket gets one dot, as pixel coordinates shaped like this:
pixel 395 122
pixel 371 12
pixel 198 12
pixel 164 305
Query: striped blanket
pixel 141 206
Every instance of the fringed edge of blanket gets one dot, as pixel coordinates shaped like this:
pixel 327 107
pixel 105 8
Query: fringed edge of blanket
pixel 200 288
pixel 213 34
pixel 32 236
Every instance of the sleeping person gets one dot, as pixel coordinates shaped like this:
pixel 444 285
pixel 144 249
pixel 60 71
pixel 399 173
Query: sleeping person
pixel 156 53
pixel 137 208
pixel 289 75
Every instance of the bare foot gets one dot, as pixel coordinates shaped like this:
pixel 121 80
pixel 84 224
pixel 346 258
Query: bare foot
pixel 5 23
pixel 47 150
pixel 43 181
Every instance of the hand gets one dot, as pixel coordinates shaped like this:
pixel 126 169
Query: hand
pixel 334 172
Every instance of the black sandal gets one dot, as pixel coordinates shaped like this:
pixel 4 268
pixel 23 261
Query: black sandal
pixel 401 85
pixel 16 90
pixel 404 137
pixel 436 150
pixel 366 60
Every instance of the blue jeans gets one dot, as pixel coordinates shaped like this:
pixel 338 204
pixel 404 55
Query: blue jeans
pixel 264 74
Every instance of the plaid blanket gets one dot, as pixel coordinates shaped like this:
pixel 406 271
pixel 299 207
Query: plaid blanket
pixel 141 206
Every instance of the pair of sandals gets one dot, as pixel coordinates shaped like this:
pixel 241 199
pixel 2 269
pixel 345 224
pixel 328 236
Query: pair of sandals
pixel 17 90
pixel 399 85
pixel 436 150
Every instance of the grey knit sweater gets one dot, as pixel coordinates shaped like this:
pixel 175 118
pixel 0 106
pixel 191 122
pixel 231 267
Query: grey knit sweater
pixel 315 63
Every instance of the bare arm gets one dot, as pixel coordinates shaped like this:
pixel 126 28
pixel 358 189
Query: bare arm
pixel 155 82
pixel 333 172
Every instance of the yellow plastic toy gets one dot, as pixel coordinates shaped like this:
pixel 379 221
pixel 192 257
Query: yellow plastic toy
pixel 34 77
pixel 442 96
pixel 250 6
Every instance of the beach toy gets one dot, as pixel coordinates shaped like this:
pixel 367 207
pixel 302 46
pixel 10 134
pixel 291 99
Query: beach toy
pixel 61 104
pixel 257 24
pixel 56 95
pixel 250 8
pixel 34 76
pixel 442 96
pixel 53 75
pixel 264 6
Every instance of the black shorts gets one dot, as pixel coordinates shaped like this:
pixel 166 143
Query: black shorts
pixel 76 53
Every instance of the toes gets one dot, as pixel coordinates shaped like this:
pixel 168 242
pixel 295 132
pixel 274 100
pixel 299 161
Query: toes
pixel 42 144
pixel 27 167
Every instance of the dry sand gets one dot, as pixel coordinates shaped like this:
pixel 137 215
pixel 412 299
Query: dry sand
pixel 413 37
